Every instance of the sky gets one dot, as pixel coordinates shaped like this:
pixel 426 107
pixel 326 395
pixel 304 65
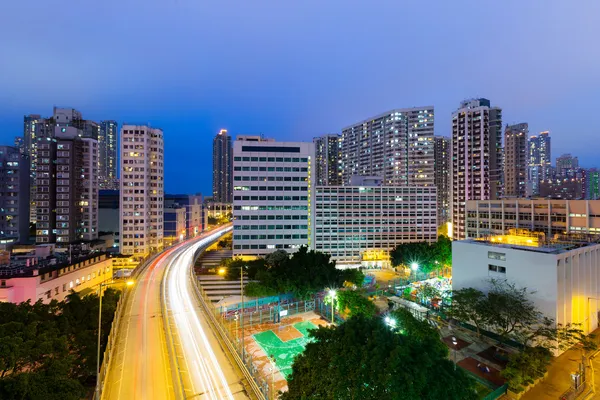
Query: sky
pixel 295 69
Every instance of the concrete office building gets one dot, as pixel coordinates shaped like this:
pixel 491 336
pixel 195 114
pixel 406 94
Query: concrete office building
pixel 272 187
pixel 396 145
pixel 442 175
pixel 142 190
pixel 66 187
pixel 222 168
pixel 476 158
pixel 515 160
pixel 360 225
pixel 14 195
pixel 328 171
pixel 194 211
pixel 107 157
pixel 565 276
pixel 497 217
pixel 540 162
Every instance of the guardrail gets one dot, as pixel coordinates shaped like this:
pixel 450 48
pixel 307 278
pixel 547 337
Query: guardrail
pixel 259 388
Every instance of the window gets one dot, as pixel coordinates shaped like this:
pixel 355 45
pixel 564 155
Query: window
pixel 496 268
pixel 496 256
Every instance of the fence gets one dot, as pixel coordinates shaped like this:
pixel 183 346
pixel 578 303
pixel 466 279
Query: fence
pixel 499 392
pixel 262 314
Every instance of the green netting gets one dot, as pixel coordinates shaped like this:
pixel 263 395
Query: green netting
pixel 284 352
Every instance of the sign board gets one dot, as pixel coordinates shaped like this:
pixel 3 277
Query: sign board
pixel 283 313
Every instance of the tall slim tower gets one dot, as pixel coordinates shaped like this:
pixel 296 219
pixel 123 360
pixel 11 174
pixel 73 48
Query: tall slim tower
pixel 396 145
pixel 540 162
pixel 515 165
pixel 327 160
pixel 441 173
pixel 142 190
pixel 107 155
pixel 222 168
pixel 34 128
pixel 476 155
pixel 14 194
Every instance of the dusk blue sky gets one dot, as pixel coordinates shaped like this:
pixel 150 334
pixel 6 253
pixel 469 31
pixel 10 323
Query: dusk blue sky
pixel 294 69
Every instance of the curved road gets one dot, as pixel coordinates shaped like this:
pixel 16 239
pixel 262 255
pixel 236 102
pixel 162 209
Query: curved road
pixel 140 367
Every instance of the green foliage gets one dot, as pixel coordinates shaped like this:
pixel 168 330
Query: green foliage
pixel 255 289
pixel 354 276
pixel 430 257
pixel 524 367
pixel 365 359
pixel 355 303
pixel 469 305
pixel 48 351
pixel 427 292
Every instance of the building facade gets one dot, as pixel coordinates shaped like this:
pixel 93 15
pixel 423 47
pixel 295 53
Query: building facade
pixel 14 194
pixel 273 184
pixel 107 155
pixel 108 211
pixel 360 225
pixel 564 188
pixel 142 190
pixel 194 208
pixel 566 166
pixel 515 160
pixel 222 168
pixel 592 184
pixel 563 276
pixel 441 173
pixel 476 158
pixel 497 217
pixel 34 127
pixel 540 161
pixel 328 171
pixel 174 225
pixel 396 145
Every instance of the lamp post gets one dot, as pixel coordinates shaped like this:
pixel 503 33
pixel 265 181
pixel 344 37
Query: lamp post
pixel 391 322
pixel 414 267
pixel 332 293
pixel 454 343
pixel 129 284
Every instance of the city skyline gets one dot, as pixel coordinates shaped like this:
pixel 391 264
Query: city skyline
pixel 281 92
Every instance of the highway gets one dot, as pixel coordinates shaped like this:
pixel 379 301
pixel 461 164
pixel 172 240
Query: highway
pixel 140 367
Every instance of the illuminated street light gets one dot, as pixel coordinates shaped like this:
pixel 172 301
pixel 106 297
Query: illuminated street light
pixel 391 322
pixel 414 266
pixel 221 271
pixel 332 293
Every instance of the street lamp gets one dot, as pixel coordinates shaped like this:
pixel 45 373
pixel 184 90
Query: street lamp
pixel 455 343
pixel 332 293
pixel 129 283
pixel 414 267
pixel 391 322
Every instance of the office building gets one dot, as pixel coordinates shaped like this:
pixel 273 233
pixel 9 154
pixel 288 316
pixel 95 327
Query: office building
pixel 396 145
pixel 498 217
pixel 107 159
pixel 441 174
pixel 476 158
pixel 566 166
pixel 194 211
pixel 563 276
pixel 222 168
pixel 142 190
pixel 540 161
pixel 14 195
pixel 273 183
pixel 328 171
pixel 515 160
pixel 360 225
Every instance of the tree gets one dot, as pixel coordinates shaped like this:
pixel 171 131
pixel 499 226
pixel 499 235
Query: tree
pixel 364 359
pixel 255 289
pixel 428 292
pixel 470 305
pixel 276 258
pixel 429 257
pixel 354 276
pixel 353 302
pixel 524 367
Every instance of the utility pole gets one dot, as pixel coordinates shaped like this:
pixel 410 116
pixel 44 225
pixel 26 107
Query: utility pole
pixel 242 316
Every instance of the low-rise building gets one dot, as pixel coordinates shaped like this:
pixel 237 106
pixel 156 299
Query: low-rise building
pixel 174 225
pixel 497 217
pixel 53 282
pixel 564 275
pixel 359 225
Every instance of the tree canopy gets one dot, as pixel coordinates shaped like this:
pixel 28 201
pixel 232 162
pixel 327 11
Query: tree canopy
pixel 354 302
pixel 364 359
pixel 429 257
pixel 48 351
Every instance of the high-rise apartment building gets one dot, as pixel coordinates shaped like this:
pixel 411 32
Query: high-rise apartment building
pixel 273 182
pixel 515 160
pixel 66 187
pixel 441 174
pixel 540 162
pixel 34 128
pixel 107 155
pixel 476 157
pixel 222 168
pixel 592 184
pixel 567 166
pixel 328 171
pixel 396 145
pixel 142 190
pixel 14 194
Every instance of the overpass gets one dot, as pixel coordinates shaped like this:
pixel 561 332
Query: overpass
pixel 165 348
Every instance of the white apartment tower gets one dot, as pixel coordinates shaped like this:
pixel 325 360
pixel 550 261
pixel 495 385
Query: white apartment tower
pixel 476 157
pixel 396 145
pixel 142 190
pixel 272 186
